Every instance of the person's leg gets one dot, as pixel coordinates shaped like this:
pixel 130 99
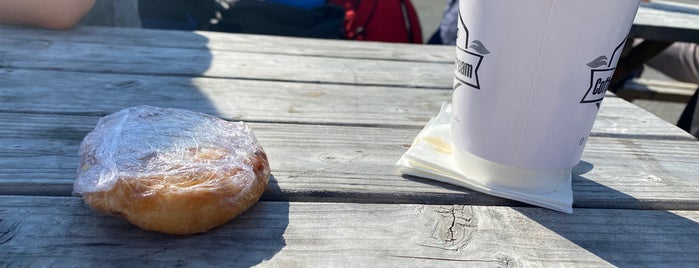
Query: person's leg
pixel 680 61
pixel 50 14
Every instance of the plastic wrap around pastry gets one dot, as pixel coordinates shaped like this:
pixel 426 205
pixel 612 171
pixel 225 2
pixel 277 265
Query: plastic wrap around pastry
pixel 170 170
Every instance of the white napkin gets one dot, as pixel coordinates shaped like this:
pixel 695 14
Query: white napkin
pixel 432 155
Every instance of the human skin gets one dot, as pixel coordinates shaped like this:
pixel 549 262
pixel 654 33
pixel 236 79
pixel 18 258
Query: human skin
pixel 50 14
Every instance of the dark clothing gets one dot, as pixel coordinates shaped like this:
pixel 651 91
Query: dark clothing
pixel 446 33
pixel 116 13
pixel 689 120
pixel 244 16
pixel 176 14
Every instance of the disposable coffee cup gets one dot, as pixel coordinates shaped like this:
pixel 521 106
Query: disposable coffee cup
pixel 529 79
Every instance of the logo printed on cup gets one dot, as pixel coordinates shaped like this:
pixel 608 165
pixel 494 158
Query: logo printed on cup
pixel 601 73
pixel 542 59
pixel 468 62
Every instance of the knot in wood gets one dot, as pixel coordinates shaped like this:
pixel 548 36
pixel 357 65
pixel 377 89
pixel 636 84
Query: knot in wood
pixel 453 229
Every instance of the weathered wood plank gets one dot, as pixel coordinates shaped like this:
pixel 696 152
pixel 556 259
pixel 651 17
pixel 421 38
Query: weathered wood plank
pixel 46 231
pixel 111 58
pixel 356 164
pixel 268 101
pixel 665 21
pixel 100 94
pixel 237 42
pixel 620 118
pixel 657 90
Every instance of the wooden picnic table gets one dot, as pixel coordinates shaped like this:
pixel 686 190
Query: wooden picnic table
pixel 659 24
pixel 334 117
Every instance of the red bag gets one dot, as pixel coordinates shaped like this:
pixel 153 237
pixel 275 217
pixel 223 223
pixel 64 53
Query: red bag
pixel 385 20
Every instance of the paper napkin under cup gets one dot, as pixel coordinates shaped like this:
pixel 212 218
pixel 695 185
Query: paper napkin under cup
pixel 433 155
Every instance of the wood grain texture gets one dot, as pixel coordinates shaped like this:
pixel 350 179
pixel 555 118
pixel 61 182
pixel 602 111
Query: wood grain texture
pixel 238 42
pixel 333 117
pixel 658 90
pixel 356 164
pixel 113 58
pixel 46 231
pixel 268 101
pixel 667 22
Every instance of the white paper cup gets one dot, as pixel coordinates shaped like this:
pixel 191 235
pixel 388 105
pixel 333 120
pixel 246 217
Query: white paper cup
pixel 528 82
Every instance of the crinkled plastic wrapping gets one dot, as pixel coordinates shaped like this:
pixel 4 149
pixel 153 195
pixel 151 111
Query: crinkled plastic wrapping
pixel 159 153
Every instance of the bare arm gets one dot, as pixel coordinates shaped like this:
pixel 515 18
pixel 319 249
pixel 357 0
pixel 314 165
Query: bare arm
pixel 51 14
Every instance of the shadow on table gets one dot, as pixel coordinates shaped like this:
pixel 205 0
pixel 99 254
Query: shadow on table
pixel 248 240
pixel 97 71
pixel 622 237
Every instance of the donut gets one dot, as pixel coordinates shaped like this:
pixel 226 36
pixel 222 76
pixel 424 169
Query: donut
pixel 170 170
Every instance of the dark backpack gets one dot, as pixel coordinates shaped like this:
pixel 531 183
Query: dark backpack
pixel 384 20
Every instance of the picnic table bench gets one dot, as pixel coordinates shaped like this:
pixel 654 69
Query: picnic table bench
pixel 334 117
pixel 659 24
